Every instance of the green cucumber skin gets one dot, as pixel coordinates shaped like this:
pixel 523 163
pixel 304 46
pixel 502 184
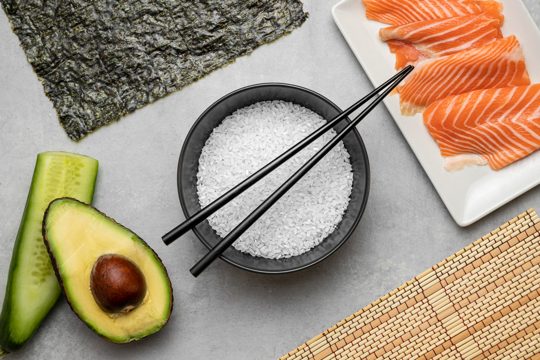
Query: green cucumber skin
pixel 9 342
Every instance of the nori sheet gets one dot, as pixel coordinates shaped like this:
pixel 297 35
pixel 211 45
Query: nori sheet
pixel 99 60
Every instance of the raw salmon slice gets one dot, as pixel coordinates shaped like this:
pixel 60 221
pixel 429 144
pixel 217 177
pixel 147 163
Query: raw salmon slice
pixel 497 64
pixel 400 12
pixel 497 126
pixel 440 37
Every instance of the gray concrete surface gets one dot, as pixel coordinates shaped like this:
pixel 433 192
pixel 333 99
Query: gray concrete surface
pixel 228 313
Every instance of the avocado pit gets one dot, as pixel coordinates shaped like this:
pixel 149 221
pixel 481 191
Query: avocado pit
pixel 117 284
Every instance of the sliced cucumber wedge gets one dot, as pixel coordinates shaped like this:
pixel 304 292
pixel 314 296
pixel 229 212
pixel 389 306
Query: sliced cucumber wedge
pixel 32 288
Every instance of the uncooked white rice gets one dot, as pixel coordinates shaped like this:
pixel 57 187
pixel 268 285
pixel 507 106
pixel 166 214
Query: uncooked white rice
pixel 246 141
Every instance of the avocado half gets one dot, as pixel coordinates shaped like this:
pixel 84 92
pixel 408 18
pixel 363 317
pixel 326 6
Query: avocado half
pixel 76 236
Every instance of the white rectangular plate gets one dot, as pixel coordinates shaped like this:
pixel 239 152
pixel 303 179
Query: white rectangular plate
pixel 473 192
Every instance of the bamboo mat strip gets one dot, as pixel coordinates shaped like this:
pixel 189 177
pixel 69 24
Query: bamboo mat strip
pixel 483 302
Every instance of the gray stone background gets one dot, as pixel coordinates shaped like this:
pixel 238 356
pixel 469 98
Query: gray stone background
pixel 227 313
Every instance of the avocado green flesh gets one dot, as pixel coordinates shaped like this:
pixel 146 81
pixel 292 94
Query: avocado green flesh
pixel 76 235
pixel 32 288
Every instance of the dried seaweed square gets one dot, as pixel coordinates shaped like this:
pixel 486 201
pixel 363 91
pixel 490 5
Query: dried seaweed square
pixel 99 60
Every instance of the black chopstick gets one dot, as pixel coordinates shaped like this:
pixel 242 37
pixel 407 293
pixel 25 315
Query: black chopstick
pixel 217 204
pixel 220 247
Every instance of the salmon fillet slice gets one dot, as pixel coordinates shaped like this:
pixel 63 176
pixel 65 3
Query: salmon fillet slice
pixel 440 37
pixel 497 64
pixel 400 12
pixel 497 126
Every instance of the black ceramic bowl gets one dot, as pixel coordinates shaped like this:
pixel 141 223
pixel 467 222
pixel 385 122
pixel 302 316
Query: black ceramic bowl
pixel 212 117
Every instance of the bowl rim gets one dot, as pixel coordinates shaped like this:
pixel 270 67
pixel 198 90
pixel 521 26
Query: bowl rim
pixel 366 182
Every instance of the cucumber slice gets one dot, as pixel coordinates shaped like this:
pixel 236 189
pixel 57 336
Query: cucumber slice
pixel 32 288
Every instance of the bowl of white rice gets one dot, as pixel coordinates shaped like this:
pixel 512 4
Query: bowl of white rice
pixel 242 132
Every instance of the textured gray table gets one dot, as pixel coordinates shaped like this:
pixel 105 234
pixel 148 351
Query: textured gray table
pixel 228 313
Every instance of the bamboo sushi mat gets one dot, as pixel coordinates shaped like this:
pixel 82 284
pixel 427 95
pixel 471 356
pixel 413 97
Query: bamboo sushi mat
pixel 483 302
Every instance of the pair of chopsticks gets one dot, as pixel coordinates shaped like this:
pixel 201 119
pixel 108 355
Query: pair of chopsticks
pixel 378 94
